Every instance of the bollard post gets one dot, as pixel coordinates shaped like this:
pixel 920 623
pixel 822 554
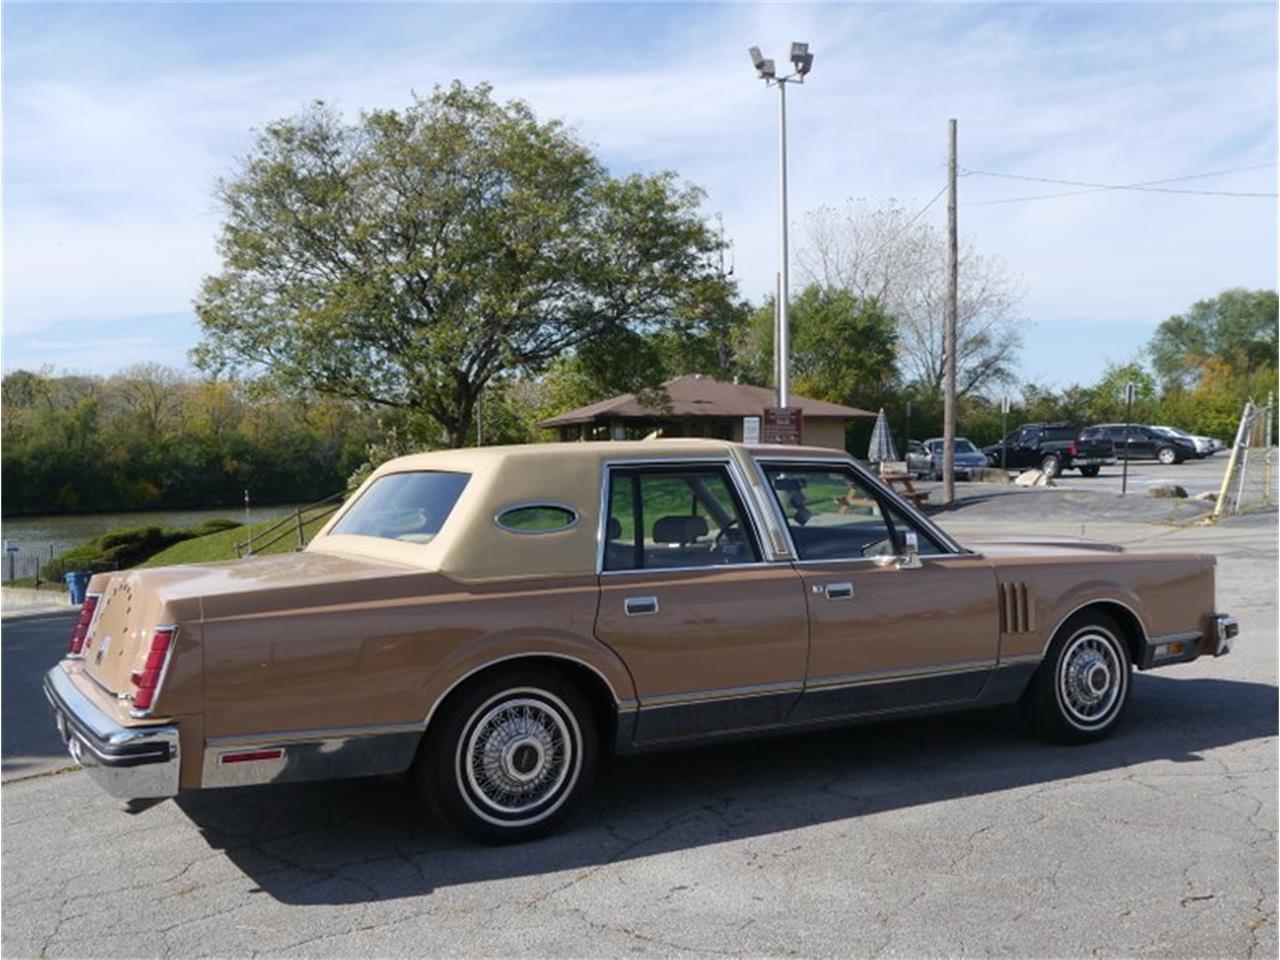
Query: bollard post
pixel 298 517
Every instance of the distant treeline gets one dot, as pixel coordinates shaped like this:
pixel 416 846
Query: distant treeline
pixel 150 438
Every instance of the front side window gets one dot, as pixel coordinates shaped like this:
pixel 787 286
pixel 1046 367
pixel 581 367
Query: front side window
pixel 410 507
pixel 664 517
pixel 834 515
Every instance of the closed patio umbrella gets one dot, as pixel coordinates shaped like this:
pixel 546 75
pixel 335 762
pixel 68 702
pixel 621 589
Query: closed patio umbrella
pixel 881 448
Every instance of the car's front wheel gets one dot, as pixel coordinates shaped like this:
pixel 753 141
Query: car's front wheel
pixel 1081 689
pixel 510 755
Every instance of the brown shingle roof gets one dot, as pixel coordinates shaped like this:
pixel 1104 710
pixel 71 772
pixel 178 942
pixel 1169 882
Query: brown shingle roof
pixel 698 396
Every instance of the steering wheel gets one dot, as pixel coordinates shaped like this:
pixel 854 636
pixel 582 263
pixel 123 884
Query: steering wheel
pixel 717 544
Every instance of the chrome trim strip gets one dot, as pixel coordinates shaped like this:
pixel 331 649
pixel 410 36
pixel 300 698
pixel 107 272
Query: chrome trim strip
pixel 1089 603
pixel 719 695
pixel 893 674
pixel 1183 636
pixel 1019 658
pixel 225 744
pixel 948 542
pixel 546 504
pixel 371 752
pixel 528 655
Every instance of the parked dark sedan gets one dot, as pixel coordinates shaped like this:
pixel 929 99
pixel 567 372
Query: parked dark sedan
pixel 1141 442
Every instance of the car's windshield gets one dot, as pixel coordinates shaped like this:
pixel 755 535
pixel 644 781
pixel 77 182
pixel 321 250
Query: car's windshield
pixel 404 506
pixel 962 446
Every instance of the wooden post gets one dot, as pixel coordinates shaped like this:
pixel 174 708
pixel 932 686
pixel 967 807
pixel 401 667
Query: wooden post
pixel 298 517
pixel 949 334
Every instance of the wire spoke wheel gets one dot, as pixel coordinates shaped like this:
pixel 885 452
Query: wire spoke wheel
pixel 518 757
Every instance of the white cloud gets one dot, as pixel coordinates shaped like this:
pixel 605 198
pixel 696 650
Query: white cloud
pixel 116 127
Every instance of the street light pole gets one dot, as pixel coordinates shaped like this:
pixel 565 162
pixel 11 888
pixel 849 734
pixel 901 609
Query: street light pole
pixel 783 333
pixel 802 61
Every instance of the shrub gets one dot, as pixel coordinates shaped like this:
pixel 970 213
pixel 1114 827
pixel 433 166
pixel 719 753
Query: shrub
pixel 127 547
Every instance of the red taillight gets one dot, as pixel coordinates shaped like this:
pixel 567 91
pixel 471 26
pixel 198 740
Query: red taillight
pixel 81 632
pixel 147 680
pixel 1071 448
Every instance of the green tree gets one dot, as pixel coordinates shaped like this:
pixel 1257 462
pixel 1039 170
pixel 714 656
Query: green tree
pixel 1237 328
pixel 843 348
pixel 409 259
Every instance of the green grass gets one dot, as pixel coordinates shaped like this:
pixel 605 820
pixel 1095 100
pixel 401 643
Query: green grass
pixel 222 545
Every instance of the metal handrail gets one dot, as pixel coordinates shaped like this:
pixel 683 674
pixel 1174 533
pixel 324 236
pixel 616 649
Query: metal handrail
pixel 290 523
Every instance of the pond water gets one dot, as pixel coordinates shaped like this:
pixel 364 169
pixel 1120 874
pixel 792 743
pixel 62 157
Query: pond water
pixel 50 536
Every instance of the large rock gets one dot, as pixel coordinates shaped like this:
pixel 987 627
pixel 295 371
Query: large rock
pixel 1208 496
pixel 1034 478
pixel 1167 491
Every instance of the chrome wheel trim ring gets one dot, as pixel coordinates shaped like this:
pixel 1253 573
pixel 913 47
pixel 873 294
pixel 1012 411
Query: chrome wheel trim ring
pixel 1167 456
pixel 1092 678
pixel 491 763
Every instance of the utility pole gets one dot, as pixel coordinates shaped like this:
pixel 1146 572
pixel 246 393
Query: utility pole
pixel 949 335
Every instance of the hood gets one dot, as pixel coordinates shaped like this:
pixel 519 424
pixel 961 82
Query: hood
pixel 1030 546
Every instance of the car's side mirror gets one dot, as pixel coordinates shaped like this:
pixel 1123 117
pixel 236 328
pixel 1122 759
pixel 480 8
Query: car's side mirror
pixel 910 557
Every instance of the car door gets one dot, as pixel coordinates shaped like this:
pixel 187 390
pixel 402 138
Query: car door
pixel 1022 452
pixel 881 637
pixel 715 635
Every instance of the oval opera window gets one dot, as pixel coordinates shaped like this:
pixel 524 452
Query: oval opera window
pixel 537 518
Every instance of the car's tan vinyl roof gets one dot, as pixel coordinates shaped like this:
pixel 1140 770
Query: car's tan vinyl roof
pixel 472 547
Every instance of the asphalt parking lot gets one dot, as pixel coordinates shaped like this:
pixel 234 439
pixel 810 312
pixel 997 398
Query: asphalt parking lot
pixel 943 836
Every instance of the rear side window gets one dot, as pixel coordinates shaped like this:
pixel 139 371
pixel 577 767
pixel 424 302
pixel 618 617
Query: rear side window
pixel 537 518
pixel 1059 433
pixel 668 517
pixel 411 507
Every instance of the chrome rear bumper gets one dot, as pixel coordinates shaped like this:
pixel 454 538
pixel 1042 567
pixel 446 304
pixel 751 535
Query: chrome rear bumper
pixel 1226 630
pixel 134 763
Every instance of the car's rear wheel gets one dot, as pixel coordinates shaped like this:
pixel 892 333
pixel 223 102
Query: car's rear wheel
pixel 509 755
pixel 1089 471
pixel 1051 465
pixel 1081 689
pixel 1167 455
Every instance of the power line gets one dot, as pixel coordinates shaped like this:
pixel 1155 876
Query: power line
pixel 1148 186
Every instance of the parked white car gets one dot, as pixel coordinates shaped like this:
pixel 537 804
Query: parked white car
pixel 1205 446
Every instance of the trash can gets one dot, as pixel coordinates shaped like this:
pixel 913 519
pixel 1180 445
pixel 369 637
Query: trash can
pixel 77 585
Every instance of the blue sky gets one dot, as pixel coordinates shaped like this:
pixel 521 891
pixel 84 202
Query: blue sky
pixel 117 119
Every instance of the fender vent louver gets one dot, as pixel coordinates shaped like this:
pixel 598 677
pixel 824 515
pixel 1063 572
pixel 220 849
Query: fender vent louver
pixel 1017 608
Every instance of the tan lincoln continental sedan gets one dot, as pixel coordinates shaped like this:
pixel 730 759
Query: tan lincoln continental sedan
pixel 491 620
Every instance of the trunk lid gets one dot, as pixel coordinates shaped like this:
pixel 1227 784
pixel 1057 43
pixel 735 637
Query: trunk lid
pixel 135 603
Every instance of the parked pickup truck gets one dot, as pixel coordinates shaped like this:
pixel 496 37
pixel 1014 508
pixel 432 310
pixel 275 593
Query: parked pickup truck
pixel 1053 447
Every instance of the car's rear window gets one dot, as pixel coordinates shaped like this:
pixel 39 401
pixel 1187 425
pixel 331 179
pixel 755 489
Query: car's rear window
pixel 411 507
pixel 1059 433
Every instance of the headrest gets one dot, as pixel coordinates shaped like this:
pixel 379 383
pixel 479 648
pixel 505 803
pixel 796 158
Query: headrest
pixel 679 529
pixel 615 529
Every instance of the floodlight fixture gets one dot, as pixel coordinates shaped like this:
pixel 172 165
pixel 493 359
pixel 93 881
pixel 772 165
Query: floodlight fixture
pixel 764 67
pixel 801 58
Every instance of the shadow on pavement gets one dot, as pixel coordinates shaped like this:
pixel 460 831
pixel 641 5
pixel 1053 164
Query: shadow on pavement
pixel 362 840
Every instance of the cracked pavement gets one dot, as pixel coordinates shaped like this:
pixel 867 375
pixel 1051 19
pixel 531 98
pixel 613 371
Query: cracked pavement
pixel 950 835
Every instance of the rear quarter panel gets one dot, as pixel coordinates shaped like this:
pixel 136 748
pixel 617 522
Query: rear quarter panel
pixel 386 653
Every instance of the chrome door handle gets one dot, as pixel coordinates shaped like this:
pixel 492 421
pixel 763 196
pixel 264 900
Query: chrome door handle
pixel 838 591
pixel 640 606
